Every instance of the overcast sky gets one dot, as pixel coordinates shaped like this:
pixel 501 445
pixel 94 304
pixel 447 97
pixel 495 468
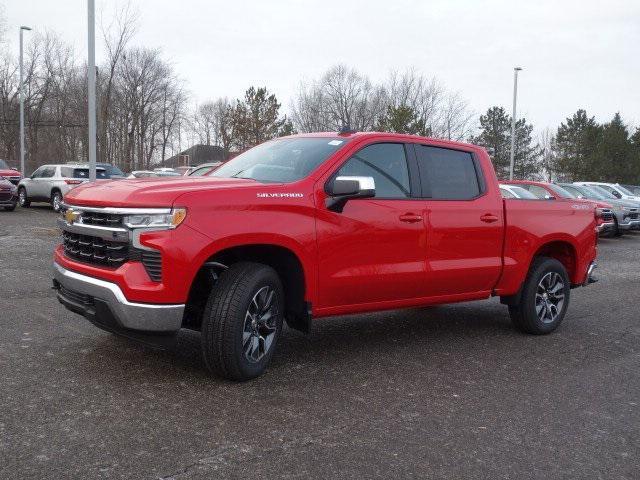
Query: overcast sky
pixel 575 54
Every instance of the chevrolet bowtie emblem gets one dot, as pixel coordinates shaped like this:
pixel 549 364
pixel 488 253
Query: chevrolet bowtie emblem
pixel 70 216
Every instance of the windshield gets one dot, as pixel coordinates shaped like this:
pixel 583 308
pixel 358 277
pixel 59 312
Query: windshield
pixel 603 192
pixel 523 192
pixel 625 191
pixel 562 193
pixel 4 165
pixel 281 161
pixel 112 170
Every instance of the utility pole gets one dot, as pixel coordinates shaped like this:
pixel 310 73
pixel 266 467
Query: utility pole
pixel 513 122
pixel 21 95
pixel 91 87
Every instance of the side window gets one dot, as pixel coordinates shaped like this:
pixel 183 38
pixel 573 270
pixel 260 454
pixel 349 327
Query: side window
pixel 38 172
pixel 506 193
pixel 447 174
pixel 48 172
pixel 539 191
pixel 386 163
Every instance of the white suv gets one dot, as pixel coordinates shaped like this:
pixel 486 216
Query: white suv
pixel 614 189
pixel 50 183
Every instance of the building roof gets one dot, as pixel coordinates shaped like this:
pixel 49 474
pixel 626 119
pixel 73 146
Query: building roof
pixel 197 154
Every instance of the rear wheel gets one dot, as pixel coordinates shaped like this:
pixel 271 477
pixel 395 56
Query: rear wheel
pixel 242 321
pixel 23 199
pixel 545 298
pixel 56 200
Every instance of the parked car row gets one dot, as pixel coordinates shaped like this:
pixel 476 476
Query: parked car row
pixel 617 207
pixel 50 183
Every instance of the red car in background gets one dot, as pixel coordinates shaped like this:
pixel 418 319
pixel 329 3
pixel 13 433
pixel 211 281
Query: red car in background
pixel 551 191
pixel 9 173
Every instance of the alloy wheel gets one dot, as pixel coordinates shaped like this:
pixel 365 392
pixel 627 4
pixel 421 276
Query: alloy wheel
pixel 549 297
pixel 260 324
pixel 22 197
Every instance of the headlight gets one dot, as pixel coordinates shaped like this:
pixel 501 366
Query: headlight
pixel 626 209
pixel 14 188
pixel 156 220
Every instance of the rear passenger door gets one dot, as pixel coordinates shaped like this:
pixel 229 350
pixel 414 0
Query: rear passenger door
pixel 464 222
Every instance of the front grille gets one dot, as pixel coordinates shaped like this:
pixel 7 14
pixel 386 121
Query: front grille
pixel 633 215
pixel 95 250
pixel 101 219
pixel 5 195
pixel 607 216
pixel 77 297
pixel 104 253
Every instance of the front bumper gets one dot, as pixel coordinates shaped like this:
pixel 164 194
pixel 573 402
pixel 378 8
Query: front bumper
pixel 606 227
pixel 8 200
pixel 104 304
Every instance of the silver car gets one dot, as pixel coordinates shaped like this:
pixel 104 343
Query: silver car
pixel 626 212
pixel 50 183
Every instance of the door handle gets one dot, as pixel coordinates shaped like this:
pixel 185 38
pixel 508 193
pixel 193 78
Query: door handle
pixel 489 218
pixel 410 218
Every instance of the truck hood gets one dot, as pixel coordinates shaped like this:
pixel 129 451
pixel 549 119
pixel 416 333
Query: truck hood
pixel 147 192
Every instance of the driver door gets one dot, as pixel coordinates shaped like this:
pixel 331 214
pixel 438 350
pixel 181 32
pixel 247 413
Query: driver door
pixel 374 250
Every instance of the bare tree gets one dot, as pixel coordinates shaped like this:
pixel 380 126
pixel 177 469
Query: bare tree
pixel 116 36
pixel 342 97
pixel 546 142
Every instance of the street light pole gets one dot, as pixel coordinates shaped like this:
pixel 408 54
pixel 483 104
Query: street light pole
pixel 513 122
pixel 21 96
pixel 91 87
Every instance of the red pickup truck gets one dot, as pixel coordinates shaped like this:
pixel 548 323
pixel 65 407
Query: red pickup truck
pixel 311 226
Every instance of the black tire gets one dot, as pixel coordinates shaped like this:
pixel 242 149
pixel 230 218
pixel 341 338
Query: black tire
pixel 23 199
pixel 526 315
pixel 226 326
pixel 10 208
pixel 616 230
pixel 56 200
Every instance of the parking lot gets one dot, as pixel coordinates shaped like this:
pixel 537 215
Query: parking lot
pixel 444 392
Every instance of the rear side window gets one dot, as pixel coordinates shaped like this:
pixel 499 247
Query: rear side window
pixel 447 174
pixel 386 163
pixel 506 193
pixel 70 172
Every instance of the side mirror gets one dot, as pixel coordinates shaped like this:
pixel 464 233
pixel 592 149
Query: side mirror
pixel 549 197
pixel 343 189
pixel 616 193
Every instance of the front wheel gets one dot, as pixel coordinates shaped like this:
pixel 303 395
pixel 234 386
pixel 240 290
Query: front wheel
pixel 56 201
pixel 242 321
pixel 23 200
pixel 545 298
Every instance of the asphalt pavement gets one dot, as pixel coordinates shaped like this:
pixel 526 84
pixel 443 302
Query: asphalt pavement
pixel 450 392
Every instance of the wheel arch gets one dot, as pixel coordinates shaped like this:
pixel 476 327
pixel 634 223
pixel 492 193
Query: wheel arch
pixel 558 248
pixel 287 262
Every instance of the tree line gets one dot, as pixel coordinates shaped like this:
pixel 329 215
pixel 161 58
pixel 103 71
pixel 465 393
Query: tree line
pixel 145 114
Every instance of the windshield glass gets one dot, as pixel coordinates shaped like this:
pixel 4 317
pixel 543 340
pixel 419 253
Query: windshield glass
pixel 3 165
pixel 522 192
pixel 603 192
pixel 561 192
pixel 281 161
pixel 625 191
pixel 112 170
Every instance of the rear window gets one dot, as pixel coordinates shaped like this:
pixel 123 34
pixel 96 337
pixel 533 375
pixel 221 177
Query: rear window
pixel 69 172
pixel 447 174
